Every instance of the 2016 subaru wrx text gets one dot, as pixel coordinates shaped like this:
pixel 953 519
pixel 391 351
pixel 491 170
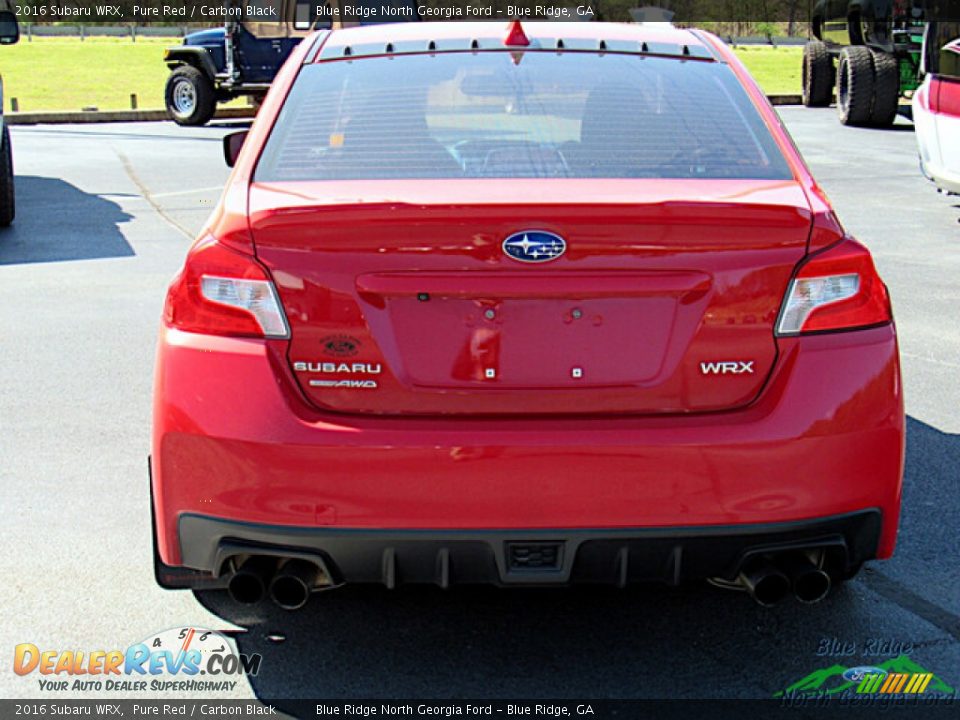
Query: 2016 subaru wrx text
pixel 522 304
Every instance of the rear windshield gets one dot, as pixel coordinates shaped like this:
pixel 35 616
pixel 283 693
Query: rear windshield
pixel 511 115
pixel 942 47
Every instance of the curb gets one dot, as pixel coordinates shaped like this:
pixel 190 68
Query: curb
pixel 785 99
pixel 112 116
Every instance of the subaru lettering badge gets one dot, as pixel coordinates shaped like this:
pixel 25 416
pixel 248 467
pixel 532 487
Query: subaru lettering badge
pixel 534 246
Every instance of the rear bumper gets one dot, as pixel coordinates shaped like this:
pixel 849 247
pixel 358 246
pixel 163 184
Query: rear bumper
pixel 521 557
pixel 936 141
pixel 941 177
pixel 235 446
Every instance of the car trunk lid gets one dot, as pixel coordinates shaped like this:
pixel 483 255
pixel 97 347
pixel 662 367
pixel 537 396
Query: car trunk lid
pixel 401 298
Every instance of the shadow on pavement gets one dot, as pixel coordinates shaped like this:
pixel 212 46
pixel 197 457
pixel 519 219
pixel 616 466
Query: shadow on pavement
pixel 232 124
pixel 898 127
pixel 57 221
pixel 924 575
pixel 644 642
pixel 478 642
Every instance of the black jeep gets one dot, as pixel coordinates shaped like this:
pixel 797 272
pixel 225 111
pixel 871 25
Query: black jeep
pixel 241 58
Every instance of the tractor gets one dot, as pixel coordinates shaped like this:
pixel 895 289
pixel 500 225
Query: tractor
pixel 870 52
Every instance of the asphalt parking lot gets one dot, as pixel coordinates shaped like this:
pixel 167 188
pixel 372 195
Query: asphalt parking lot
pixel 105 214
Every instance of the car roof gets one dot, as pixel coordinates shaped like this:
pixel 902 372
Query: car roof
pixel 658 39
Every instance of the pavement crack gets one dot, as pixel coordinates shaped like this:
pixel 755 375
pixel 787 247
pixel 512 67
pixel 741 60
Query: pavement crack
pixel 899 594
pixel 147 195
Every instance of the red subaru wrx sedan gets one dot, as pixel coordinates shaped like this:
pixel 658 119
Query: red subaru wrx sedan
pixel 522 304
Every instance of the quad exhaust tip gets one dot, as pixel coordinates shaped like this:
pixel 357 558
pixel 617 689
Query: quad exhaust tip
pixel 765 583
pixel 249 583
pixel 768 581
pixel 289 585
pixel 810 583
pixel 292 585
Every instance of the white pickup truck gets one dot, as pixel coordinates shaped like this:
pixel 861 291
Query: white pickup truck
pixel 936 106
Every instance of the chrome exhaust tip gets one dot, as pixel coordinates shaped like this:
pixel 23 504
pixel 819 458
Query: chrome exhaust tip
pixel 249 583
pixel 810 583
pixel 292 585
pixel 764 582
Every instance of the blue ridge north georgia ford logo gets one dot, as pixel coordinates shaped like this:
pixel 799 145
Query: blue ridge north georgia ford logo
pixel 534 246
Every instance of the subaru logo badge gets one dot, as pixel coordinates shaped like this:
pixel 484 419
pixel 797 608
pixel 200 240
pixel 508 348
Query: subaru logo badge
pixel 534 246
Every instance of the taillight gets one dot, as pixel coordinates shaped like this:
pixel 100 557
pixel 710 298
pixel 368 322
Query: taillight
pixel 221 291
pixel 835 289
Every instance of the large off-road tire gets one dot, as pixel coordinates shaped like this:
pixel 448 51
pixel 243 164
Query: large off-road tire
pixel 855 85
pixel 817 75
pixel 886 89
pixel 190 96
pixel 7 199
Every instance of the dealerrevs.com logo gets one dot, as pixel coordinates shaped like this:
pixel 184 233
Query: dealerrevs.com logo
pixel 185 659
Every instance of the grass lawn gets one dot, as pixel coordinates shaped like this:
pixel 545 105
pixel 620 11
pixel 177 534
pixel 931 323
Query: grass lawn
pixel 67 74
pixel 777 69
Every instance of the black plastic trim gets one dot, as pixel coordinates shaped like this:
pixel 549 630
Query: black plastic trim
pixel 167 576
pixel 601 556
pixel 196 56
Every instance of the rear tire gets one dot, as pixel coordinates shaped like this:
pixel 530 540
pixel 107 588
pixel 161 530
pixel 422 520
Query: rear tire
pixel 855 85
pixel 818 75
pixel 7 197
pixel 886 89
pixel 190 96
